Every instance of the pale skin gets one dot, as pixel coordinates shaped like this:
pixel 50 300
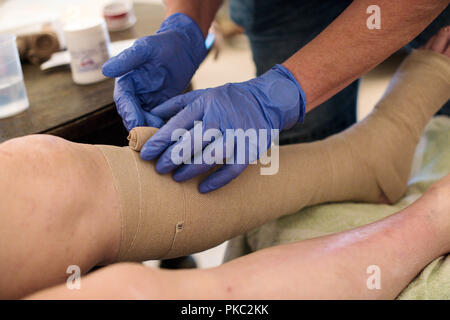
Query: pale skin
pixel 331 267
pixel 325 65
pixel 62 211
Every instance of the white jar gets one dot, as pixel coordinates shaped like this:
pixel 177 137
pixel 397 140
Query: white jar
pixel 119 15
pixel 89 47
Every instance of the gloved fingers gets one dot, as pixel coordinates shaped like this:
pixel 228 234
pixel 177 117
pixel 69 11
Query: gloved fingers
pixel 178 153
pixel 149 79
pixel 152 100
pixel 127 104
pixel 221 177
pixel 172 106
pixel 129 107
pixel 162 139
pixel 189 171
pixel 152 120
pixel 204 161
pixel 255 148
pixel 129 59
pixel 150 83
pixel 182 151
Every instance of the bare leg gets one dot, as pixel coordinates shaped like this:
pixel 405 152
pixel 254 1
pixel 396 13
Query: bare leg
pixel 53 212
pixel 328 267
pixel 331 267
pixel 335 266
pixel 61 209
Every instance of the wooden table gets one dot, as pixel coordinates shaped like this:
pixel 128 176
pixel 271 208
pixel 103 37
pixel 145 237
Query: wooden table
pixel 81 113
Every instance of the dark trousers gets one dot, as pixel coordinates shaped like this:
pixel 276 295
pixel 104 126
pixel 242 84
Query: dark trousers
pixel 277 29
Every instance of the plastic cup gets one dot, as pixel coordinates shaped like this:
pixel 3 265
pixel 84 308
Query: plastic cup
pixel 13 95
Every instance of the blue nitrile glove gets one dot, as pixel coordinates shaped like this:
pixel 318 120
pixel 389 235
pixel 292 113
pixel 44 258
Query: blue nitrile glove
pixel 155 69
pixel 274 100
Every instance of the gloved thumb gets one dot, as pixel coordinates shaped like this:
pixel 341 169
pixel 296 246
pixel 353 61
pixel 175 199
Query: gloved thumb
pixel 153 121
pixel 129 59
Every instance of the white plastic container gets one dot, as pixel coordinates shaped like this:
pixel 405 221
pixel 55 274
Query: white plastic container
pixel 13 95
pixel 89 47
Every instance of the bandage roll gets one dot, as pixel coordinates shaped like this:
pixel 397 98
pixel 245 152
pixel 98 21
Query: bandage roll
pixel 161 218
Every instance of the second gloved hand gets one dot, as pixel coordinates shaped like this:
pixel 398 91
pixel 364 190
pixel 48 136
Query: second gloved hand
pixel 274 100
pixel 155 69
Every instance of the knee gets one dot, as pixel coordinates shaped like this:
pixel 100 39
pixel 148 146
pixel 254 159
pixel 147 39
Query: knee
pixel 44 180
pixel 52 173
pixel 35 153
pixel 54 187
pixel 44 164
pixel 31 165
pixel 32 183
pixel 36 141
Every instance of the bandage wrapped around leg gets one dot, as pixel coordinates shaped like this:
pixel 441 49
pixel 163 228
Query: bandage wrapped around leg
pixel 162 218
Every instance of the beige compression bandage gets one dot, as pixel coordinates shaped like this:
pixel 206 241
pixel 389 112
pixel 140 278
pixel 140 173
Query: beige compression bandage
pixel 162 218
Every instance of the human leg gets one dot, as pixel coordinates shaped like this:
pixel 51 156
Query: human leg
pixel 330 267
pixel 172 219
pixel 359 164
pixel 56 196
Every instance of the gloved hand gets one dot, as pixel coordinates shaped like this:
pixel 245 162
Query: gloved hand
pixel 274 100
pixel 155 68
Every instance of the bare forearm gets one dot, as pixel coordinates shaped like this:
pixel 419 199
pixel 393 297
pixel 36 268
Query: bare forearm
pixel 356 49
pixel 202 11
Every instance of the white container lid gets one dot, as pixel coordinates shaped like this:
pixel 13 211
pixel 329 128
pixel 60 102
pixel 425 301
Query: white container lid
pixel 84 27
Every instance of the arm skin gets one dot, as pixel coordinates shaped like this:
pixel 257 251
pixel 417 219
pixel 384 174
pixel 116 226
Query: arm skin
pixel 59 205
pixel 203 12
pixel 355 48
